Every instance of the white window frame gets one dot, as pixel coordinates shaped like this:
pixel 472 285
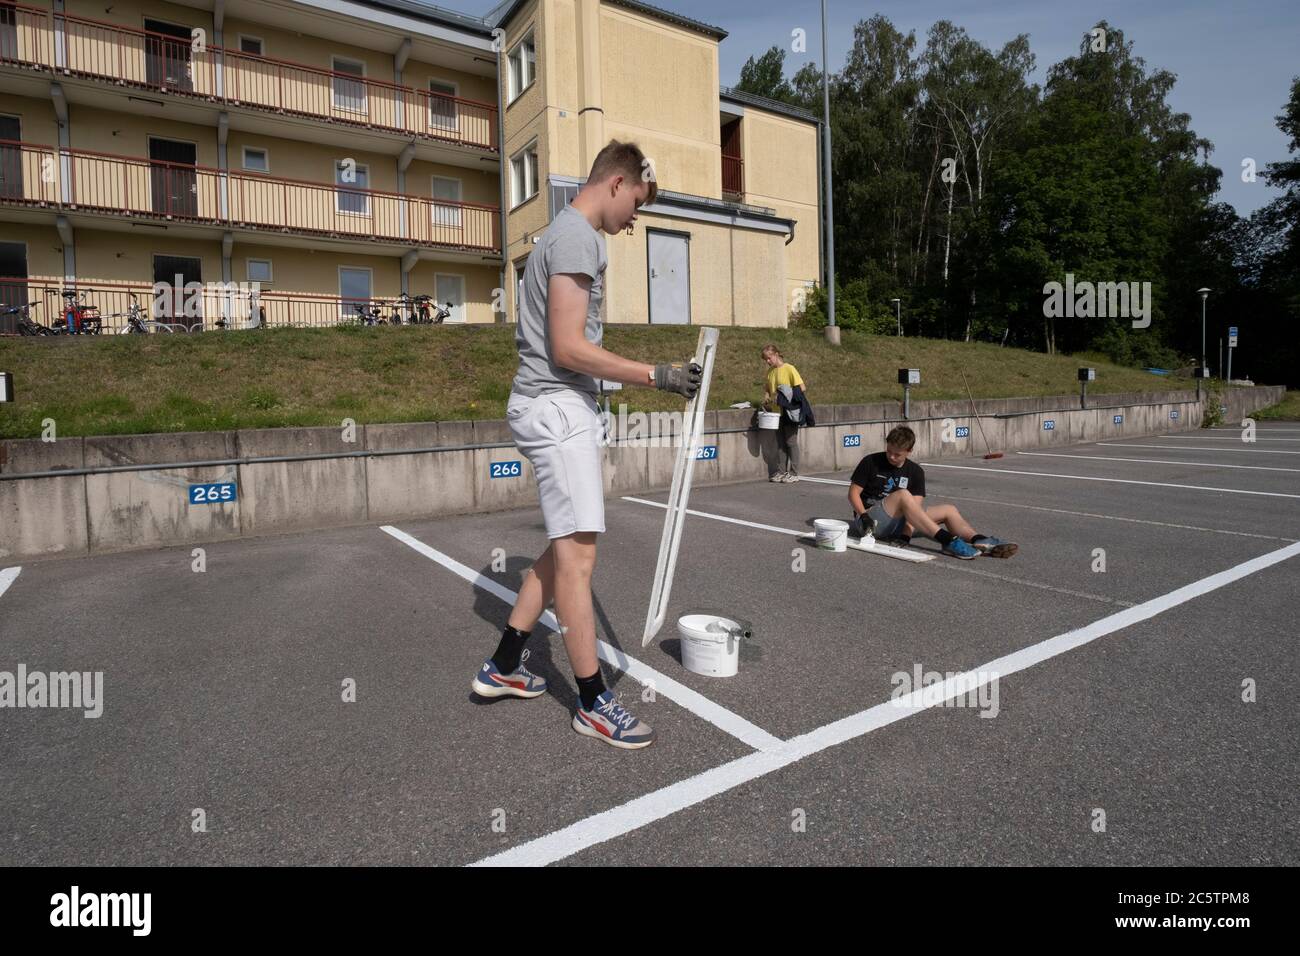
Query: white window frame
pixel 452 124
pixel 520 181
pixel 438 302
pixel 261 45
pixel 445 217
pixel 248 270
pixel 339 188
pixel 260 149
pixel 335 60
pixel 523 67
pixel 370 285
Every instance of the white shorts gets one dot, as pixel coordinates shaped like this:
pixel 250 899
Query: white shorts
pixel 561 434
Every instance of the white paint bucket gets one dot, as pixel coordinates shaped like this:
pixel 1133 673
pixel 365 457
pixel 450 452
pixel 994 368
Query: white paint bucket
pixel 769 420
pixel 713 653
pixel 832 535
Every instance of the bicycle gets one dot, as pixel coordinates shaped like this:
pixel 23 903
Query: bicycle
pixel 26 325
pixel 402 301
pixel 136 323
pixel 422 311
pixel 78 317
pixel 368 314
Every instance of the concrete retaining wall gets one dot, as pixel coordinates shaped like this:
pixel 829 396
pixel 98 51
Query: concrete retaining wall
pixel 355 482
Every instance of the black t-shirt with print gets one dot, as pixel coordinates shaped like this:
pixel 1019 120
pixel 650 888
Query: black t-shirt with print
pixel 877 477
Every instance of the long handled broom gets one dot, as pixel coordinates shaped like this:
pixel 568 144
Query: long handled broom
pixel 976 415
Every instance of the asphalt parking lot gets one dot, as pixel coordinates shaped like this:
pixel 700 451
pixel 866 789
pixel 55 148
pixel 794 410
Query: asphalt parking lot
pixel 1140 714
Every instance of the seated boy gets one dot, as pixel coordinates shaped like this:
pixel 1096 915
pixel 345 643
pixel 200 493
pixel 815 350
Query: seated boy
pixel 888 493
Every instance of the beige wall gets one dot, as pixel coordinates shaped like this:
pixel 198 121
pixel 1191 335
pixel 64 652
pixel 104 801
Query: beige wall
pixel 524 120
pixel 39 125
pixel 122 257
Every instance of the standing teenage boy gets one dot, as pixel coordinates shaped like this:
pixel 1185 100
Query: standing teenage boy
pixel 555 421
pixel 887 492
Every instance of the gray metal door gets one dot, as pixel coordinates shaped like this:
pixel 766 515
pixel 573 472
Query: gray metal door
pixel 668 258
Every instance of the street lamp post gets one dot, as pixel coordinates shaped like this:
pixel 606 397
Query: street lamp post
pixel 898 311
pixel 1204 294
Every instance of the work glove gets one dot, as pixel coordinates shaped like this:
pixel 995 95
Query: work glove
pixel 674 378
pixel 862 525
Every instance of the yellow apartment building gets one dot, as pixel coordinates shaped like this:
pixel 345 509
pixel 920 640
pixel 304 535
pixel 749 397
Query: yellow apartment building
pixel 338 153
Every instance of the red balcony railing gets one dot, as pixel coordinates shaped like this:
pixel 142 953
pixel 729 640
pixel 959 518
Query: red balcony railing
pixel 33 175
pixel 139 58
pixel 733 174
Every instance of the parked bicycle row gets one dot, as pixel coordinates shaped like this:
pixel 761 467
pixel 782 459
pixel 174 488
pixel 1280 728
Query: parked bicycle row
pixel 78 316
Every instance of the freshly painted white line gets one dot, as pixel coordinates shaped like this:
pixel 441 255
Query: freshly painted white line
pixel 884 550
pixel 1245 447
pixel 1089 514
pixel 7 577
pixel 1081 514
pixel 1262 426
pixel 696 703
pixel 1119 481
pixel 1151 461
pixel 621 820
pixel 1212 438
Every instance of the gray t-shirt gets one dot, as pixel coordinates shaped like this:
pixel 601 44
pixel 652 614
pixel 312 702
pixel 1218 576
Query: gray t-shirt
pixel 570 245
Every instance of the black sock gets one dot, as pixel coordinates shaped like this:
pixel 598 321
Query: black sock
pixel 978 537
pixel 944 536
pixel 589 688
pixel 510 650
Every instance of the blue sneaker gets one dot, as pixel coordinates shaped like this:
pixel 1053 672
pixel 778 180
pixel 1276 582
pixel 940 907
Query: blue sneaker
pixel 520 682
pixel 960 549
pixel 613 723
pixel 995 547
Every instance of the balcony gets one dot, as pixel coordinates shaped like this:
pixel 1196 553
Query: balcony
pixel 82 181
pixel 733 177
pixel 126 57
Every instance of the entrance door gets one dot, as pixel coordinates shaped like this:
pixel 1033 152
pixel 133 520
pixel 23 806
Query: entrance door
pixel 174 188
pixel 167 55
pixel 175 273
pixel 11 158
pixel 668 259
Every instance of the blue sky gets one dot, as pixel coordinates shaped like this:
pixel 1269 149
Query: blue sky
pixel 1234 62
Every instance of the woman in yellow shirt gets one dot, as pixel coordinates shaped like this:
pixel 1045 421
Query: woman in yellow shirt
pixel 780 372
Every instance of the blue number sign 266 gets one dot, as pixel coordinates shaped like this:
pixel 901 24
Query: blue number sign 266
pixel 505 469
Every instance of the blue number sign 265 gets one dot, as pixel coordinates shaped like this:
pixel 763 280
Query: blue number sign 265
pixel 212 493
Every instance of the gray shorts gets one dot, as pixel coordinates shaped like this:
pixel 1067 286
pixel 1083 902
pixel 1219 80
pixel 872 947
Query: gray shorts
pixel 886 527
pixel 562 435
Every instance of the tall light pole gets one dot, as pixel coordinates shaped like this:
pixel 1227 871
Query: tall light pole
pixel 1204 294
pixel 898 312
pixel 832 332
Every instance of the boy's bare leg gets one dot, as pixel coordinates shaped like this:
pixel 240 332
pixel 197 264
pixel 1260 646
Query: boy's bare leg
pixel 927 520
pixel 575 559
pixel 536 593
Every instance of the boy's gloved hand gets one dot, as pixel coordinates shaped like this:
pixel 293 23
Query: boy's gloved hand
pixel 862 525
pixel 674 378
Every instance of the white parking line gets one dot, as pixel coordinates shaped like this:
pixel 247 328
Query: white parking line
pixel 1153 461
pixel 1120 481
pixel 7 577
pixel 1245 447
pixel 621 820
pixel 1212 438
pixel 696 703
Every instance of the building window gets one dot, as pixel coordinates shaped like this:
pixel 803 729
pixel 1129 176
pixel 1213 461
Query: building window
pixel 349 85
pixel 443 112
pixel 523 175
pixel 354 201
pixel 251 45
pixel 449 288
pixel 258 270
pixel 523 66
pixel 354 290
pixel 257 159
pixel 446 215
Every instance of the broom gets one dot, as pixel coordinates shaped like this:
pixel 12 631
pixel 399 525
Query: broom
pixel 975 415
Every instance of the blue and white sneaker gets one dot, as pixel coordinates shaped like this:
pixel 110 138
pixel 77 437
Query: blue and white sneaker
pixel 992 547
pixel 613 723
pixel 960 549
pixel 520 682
